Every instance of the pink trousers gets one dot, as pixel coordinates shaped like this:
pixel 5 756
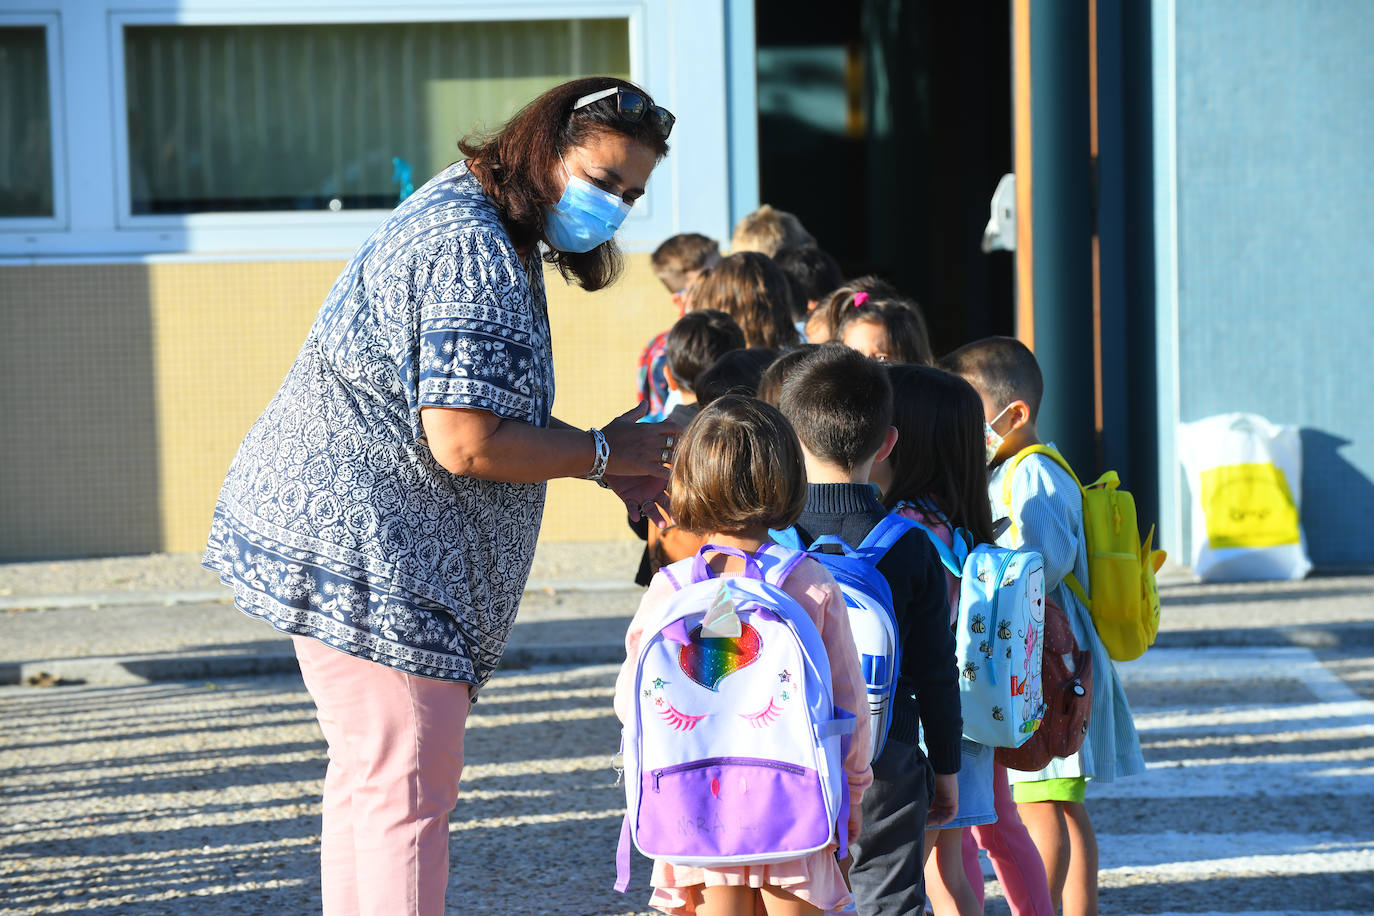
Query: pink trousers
pixel 395 755
pixel 1020 870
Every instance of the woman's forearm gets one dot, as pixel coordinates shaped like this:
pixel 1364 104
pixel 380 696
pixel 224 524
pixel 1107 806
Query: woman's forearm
pixel 476 443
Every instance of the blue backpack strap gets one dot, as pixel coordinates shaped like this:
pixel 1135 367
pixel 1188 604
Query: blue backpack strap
pixel 884 535
pixel 834 540
pixel 787 537
pixel 948 557
pixel 951 557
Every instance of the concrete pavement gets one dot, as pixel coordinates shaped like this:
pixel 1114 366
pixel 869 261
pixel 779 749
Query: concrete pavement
pixel 138 619
pixel 165 783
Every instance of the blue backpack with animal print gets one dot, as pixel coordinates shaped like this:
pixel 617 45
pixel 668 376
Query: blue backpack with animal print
pixel 999 637
pixel 734 748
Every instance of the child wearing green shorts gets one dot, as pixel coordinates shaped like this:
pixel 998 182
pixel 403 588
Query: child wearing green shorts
pixel 1046 512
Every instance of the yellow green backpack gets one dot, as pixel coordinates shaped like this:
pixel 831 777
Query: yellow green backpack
pixel 1121 570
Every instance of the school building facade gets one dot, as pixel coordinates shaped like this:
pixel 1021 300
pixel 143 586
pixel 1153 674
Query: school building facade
pixel 180 183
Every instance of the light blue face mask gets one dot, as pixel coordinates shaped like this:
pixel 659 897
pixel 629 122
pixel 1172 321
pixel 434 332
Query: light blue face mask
pixel 584 217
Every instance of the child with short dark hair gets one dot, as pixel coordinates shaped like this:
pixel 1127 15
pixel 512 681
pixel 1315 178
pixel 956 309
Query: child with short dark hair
pixel 1046 513
pixel 817 275
pixel 694 343
pixel 840 403
pixel 739 471
pixel 770 386
pixel 677 263
pixel 737 372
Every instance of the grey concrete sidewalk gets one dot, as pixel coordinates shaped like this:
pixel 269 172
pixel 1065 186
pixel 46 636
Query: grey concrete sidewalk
pixel 136 619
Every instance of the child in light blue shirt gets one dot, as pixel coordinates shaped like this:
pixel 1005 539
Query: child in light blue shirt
pixel 1045 508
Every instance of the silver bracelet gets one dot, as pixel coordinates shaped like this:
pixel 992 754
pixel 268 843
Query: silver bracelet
pixel 603 455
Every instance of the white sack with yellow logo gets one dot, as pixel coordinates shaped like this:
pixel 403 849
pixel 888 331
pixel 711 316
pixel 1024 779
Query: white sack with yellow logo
pixel 1245 474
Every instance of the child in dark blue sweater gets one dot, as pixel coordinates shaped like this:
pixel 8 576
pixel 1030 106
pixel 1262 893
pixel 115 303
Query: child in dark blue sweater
pixel 840 403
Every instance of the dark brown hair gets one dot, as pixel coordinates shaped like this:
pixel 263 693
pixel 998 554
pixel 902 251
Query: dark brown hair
pixel 840 403
pixel 696 341
pixel 841 299
pixel 682 254
pixel 518 168
pixel 738 467
pixel 754 291
pixel 1003 368
pixel 815 271
pixel 902 322
pixel 939 461
pixel 737 372
pixel 775 376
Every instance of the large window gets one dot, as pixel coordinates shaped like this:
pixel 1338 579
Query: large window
pixel 26 177
pixel 285 129
pixel 331 117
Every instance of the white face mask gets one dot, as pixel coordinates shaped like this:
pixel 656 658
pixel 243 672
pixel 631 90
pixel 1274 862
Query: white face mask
pixel 991 440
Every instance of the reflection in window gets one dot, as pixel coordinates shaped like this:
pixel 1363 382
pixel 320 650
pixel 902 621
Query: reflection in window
pixel 25 123
pixel 232 118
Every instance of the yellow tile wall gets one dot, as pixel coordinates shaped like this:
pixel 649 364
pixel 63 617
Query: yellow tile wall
pixel 127 388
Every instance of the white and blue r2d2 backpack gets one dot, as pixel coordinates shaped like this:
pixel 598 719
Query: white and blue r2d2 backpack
pixel 871 615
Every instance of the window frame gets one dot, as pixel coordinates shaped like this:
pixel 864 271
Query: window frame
pixel 51 24
pixel 677 53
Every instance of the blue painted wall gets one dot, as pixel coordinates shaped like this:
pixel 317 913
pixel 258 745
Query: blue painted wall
pixel 1273 196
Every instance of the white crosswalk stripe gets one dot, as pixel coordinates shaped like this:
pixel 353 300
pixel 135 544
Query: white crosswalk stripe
pixel 1230 815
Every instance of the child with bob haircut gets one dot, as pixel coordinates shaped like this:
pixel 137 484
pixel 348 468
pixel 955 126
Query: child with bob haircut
pixel 1046 513
pixel 739 472
pixel 938 474
pixel 840 403
pixel 755 292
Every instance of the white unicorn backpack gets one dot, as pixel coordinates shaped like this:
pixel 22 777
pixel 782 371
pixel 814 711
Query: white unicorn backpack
pixel 734 748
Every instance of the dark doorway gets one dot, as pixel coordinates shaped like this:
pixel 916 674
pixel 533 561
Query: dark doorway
pixel 885 126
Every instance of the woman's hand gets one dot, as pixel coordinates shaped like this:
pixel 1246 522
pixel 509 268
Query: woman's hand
pixel 639 449
pixel 644 496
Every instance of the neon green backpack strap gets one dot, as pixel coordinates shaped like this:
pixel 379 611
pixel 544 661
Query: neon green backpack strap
pixel 1053 454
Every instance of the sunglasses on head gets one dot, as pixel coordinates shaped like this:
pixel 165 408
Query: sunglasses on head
pixel 633 107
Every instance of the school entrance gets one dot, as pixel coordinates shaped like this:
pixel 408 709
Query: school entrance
pixel 885 126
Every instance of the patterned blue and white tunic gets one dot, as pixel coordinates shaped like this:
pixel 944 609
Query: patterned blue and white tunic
pixel 335 520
